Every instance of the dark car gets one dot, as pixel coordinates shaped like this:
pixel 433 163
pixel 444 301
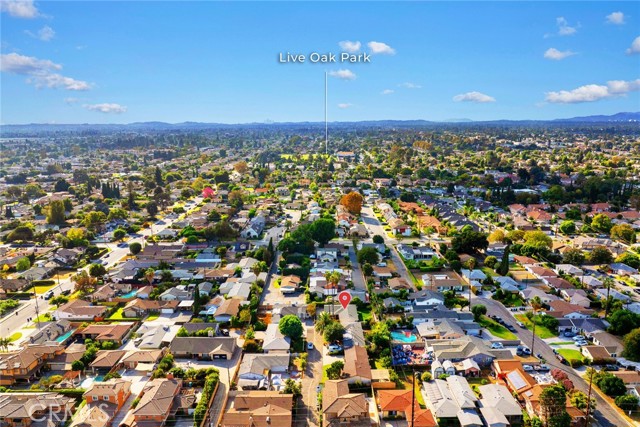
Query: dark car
pixel 611 368
pixel 66 292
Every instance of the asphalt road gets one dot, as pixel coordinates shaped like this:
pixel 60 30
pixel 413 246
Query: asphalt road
pixel 306 413
pixel 605 415
pixel 375 227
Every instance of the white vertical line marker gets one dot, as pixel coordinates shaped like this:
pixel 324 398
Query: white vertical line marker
pixel 326 126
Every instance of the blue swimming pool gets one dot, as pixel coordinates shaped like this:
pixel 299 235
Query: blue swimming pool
pixel 130 294
pixel 403 337
pixel 63 338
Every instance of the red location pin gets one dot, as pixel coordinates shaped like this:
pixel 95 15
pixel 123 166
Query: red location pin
pixel 345 298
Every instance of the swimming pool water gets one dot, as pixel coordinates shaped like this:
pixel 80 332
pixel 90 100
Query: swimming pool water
pixel 399 336
pixel 130 294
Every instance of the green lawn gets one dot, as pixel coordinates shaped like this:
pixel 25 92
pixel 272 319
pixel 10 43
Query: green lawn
pixel 45 317
pixel 570 354
pixel 541 331
pixel 42 289
pixel 15 337
pixel 562 343
pixel 496 329
pixel 513 300
pixel 152 317
pixel 364 314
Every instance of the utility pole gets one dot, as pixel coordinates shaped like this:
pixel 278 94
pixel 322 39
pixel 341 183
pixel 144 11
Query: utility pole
pixel 413 396
pixel 589 399
pixel 37 313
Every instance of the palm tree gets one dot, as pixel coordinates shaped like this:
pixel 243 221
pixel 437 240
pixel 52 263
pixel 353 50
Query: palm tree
pixel 536 304
pixel 607 283
pixel 149 275
pixel 323 320
pixel 4 343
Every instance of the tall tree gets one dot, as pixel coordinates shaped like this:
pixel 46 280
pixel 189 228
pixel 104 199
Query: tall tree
pixel 55 213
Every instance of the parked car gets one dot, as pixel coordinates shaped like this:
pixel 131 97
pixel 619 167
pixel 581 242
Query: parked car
pixel 527 368
pixel 569 334
pixel 611 368
pixel 511 328
pixel 520 324
pixel 48 295
pixel 333 348
pixel 497 345
pixel 66 292
pixel 309 345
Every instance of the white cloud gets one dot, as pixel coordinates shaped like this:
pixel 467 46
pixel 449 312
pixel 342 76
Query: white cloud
pixel 106 108
pixel 345 105
pixel 19 8
pixel 387 92
pixel 71 101
pixel 635 47
pixel 474 97
pixel 40 72
pixel 593 92
pixel 615 18
pixel 409 85
pixel 20 64
pixel 343 74
pixel 349 46
pixel 381 48
pixel 45 33
pixel 557 55
pixel 564 29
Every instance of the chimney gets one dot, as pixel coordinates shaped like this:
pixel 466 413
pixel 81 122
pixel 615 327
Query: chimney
pixel 169 376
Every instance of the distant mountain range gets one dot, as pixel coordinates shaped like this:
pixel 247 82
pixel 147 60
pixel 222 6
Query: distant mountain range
pixel 620 117
pixel 162 126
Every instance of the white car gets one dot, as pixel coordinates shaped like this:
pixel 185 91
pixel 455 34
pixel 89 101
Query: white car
pixel 309 345
pixel 497 345
pixel 334 347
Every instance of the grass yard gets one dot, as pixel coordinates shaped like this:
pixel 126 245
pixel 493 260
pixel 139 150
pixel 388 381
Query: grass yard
pixel 42 289
pixel 152 317
pixel 541 331
pixel 570 354
pixel 562 343
pixel 15 337
pixel 496 329
pixel 45 317
pixel 513 300
pixel 364 314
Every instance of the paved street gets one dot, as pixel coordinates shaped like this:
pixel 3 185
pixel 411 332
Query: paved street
pixel 306 413
pixel 605 415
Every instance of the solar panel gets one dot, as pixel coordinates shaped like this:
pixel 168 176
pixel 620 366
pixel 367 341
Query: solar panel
pixel 516 379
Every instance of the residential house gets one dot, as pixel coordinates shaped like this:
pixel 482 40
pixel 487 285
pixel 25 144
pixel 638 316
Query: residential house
pixel 79 310
pixel 25 364
pixel 110 395
pixel 498 397
pixel 356 365
pixel 339 406
pixel 255 370
pixel 206 348
pixel 229 308
pixel 114 332
pixel 258 409
pixel 275 341
pixel 398 403
pixel 156 403
pixel 25 409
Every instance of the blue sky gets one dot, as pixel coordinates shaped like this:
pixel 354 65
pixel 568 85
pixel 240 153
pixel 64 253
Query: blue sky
pixel 123 62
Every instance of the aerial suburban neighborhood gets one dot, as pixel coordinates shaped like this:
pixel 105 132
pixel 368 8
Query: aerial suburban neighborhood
pixel 199 279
